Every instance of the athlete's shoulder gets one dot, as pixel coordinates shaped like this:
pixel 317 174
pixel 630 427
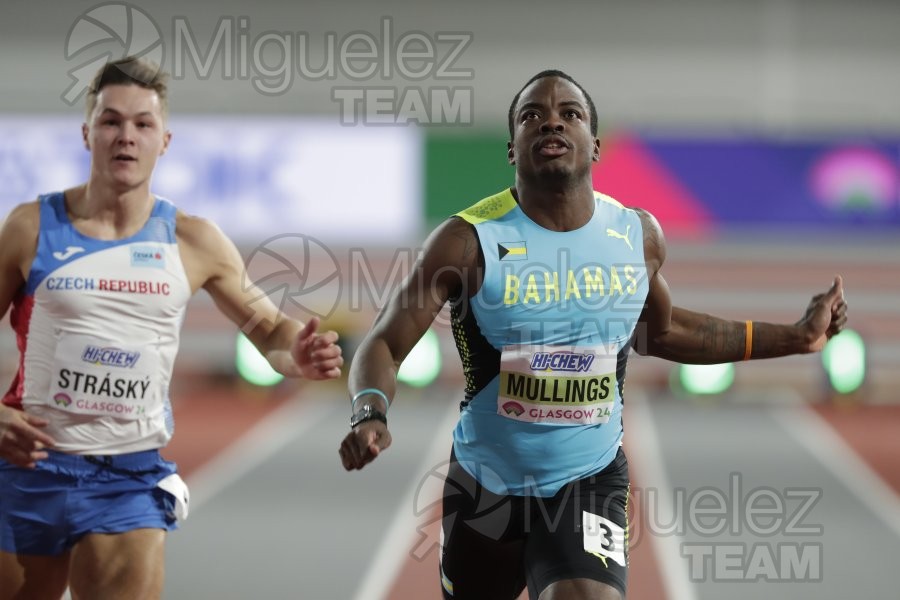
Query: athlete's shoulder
pixel 654 240
pixel 19 240
pixel 648 221
pixel 202 239
pixel 22 223
pixel 206 252
pixel 490 208
pixel 165 207
pixel 452 233
pixel 197 230
pixel 608 201
pixel 26 214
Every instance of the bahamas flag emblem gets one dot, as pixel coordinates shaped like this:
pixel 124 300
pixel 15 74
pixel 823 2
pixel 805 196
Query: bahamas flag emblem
pixel 512 251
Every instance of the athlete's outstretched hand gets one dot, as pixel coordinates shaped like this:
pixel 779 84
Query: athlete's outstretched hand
pixel 825 316
pixel 363 444
pixel 22 443
pixel 317 355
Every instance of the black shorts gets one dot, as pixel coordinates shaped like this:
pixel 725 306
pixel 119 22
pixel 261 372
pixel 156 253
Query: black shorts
pixel 493 546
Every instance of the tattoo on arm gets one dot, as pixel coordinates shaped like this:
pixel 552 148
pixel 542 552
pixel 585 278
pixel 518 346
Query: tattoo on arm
pixel 469 245
pixel 721 338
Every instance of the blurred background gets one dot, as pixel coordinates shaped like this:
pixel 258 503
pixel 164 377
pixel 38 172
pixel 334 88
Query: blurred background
pixel 328 139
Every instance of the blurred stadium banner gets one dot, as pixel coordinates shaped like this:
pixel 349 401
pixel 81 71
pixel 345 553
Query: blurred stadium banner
pixel 259 176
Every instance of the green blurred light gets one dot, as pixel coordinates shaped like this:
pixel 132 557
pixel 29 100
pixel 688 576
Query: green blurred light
pixel 706 379
pixel 423 364
pixel 253 366
pixel 844 359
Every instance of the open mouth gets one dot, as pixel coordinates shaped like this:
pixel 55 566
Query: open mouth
pixel 553 146
pixel 125 158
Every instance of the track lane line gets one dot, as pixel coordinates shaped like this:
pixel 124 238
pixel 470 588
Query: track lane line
pixel 647 457
pixel 259 443
pixel 403 534
pixel 824 443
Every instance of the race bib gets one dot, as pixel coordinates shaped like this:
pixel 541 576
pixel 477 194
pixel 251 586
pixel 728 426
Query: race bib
pixel 562 385
pixel 604 538
pixel 94 378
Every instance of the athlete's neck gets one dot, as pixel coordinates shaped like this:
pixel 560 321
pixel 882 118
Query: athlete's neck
pixel 556 209
pixel 104 213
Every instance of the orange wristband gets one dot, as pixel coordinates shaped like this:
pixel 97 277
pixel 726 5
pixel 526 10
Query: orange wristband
pixel 748 341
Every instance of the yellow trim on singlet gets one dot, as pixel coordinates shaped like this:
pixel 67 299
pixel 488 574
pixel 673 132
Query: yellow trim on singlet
pixel 490 208
pixel 494 207
pixel 609 199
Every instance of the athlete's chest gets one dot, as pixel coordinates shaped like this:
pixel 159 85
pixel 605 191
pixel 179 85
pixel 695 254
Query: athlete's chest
pixel 540 272
pixel 140 279
pixel 587 286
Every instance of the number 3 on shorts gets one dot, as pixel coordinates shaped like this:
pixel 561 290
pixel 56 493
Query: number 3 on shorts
pixel 603 537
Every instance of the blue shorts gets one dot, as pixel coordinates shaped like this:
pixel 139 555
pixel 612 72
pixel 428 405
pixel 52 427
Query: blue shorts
pixel 46 510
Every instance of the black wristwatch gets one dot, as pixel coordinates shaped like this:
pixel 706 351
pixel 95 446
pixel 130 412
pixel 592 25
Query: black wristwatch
pixel 367 413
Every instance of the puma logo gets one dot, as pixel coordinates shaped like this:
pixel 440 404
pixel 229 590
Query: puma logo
pixel 615 234
pixel 69 253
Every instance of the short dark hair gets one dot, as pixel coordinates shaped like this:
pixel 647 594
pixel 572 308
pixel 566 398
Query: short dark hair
pixel 129 70
pixel 561 75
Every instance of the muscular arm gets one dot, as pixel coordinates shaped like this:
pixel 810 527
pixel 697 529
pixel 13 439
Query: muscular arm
pixel 21 440
pixel 685 336
pixel 447 267
pixel 213 263
pixel 18 244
